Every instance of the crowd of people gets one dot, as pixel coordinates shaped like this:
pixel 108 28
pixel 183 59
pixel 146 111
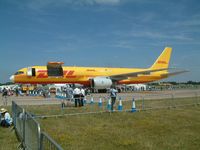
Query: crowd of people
pixel 78 95
pixel 6 92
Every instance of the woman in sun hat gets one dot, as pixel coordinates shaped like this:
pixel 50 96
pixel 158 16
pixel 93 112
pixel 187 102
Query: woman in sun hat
pixel 6 119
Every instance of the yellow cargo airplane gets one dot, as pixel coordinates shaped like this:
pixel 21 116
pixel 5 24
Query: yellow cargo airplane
pixel 95 77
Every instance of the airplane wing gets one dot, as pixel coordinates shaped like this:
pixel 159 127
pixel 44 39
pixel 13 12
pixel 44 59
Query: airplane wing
pixel 135 74
pixel 174 73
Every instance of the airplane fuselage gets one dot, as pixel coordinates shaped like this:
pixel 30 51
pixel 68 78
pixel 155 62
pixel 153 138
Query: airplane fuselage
pixel 82 75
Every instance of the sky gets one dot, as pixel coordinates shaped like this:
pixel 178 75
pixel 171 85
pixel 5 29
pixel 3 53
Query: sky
pixel 101 33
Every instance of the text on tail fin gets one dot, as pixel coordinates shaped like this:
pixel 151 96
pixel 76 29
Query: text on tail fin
pixel 163 60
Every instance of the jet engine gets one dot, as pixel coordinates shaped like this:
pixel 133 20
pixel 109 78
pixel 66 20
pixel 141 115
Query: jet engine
pixel 101 82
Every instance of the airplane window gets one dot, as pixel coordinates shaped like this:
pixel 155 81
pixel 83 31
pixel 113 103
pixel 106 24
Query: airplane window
pixel 19 72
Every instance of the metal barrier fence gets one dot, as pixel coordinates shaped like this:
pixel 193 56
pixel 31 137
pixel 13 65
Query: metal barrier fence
pixel 32 132
pixel 17 114
pixel 29 132
pixel 48 143
pixel 99 103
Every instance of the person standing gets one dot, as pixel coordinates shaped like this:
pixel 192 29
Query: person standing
pixel 76 94
pixel 69 94
pixel 113 95
pixel 82 96
pixel 16 91
pixel 4 96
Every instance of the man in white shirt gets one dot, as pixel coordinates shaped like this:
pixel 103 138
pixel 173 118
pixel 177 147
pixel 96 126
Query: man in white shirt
pixel 77 94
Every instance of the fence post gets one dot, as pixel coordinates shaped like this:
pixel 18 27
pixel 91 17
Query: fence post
pixel 23 128
pixel 109 104
pixel 14 113
pixel 41 141
pixel 39 136
pixel 100 102
pixel 196 97
pixel 143 106
pixel 173 105
pixel 133 106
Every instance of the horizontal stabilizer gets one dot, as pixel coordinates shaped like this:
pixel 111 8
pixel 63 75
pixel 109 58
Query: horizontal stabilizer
pixel 173 73
pixel 135 74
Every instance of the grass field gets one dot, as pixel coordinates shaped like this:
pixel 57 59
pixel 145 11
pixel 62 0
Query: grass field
pixel 8 138
pixel 174 128
pixel 158 129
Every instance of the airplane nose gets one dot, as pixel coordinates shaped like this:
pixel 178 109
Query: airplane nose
pixel 12 78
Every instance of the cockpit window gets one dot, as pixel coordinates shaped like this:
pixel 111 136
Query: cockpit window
pixel 19 72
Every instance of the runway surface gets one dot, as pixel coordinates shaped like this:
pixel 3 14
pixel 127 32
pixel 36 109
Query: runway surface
pixel 38 100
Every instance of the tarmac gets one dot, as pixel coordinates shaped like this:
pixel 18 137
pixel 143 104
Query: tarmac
pixel 137 95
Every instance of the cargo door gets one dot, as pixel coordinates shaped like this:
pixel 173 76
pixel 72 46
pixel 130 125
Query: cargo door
pixel 31 72
pixel 54 69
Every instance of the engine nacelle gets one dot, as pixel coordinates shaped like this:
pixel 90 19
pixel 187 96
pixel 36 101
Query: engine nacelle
pixel 101 82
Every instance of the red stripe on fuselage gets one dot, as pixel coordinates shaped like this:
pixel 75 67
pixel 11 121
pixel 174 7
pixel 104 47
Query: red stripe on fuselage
pixel 42 75
pixel 86 83
pixel 71 72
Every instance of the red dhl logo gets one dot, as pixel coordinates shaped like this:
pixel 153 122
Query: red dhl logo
pixel 162 62
pixel 42 74
pixel 66 74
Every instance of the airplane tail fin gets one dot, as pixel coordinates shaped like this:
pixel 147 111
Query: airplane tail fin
pixel 163 60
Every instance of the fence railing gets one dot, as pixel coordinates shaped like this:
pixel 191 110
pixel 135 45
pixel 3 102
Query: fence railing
pixel 48 143
pixel 29 131
pixel 100 103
